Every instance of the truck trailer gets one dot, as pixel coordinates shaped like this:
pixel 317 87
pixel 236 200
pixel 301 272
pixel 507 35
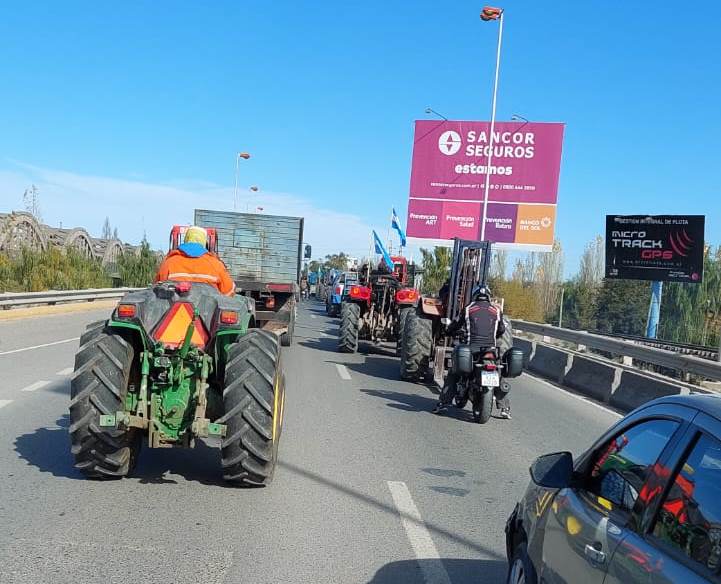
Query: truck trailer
pixel 263 254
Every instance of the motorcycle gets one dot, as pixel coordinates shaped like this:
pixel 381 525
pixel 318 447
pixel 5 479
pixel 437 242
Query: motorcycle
pixel 481 376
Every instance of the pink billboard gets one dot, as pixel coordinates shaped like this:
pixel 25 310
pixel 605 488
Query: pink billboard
pixel 448 175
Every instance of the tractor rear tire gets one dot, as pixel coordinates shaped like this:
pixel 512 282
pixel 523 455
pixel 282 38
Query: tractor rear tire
pixel 349 327
pixel 402 316
pixel 286 339
pixel 416 346
pixel 253 400
pixel 104 367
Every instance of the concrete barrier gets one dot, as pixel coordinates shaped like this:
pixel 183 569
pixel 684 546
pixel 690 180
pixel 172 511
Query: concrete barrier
pixel 549 362
pixel 592 378
pixel 635 389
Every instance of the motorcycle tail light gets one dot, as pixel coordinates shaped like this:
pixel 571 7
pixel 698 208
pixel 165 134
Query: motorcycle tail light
pixel 490 367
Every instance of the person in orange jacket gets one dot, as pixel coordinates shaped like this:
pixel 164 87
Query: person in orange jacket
pixel 192 262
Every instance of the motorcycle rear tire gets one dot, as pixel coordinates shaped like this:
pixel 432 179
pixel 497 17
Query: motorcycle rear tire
pixel 483 406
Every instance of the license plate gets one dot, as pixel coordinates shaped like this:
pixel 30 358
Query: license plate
pixel 490 379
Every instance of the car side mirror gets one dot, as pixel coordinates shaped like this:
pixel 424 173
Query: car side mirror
pixel 553 471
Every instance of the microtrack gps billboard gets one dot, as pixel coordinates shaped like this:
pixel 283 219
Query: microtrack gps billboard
pixel 448 176
pixel 665 248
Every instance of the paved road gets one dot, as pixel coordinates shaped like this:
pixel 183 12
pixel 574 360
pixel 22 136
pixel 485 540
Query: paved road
pixel 368 482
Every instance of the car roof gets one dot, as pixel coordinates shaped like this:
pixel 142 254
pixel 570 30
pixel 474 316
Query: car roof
pixel 708 403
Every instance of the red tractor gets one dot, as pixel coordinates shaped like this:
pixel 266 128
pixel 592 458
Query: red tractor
pixel 376 308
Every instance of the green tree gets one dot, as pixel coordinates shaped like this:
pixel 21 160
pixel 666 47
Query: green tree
pixel 691 313
pixel 338 261
pixel 138 269
pixel 436 268
pixel 622 306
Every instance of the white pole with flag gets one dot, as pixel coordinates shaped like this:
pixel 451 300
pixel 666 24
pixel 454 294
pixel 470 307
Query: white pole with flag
pixel 490 13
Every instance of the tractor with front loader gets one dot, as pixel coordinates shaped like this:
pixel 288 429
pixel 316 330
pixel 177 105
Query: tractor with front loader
pixel 175 363
pixel 426 346
pixel 375 308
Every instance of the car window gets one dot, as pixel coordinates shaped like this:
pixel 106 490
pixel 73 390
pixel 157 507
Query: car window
pixel 622 466
pixel 690 516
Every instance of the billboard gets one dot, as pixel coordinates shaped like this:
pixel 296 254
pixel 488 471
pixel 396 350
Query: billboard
pixel 666 248
pixel 448 175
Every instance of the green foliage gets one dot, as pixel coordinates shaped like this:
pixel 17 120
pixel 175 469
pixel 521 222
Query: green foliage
pixel 691 313
pixel 138 270
pixel 53 269
pixel 622 306
pixel 338 261
pixel 579 305
pixel 436 268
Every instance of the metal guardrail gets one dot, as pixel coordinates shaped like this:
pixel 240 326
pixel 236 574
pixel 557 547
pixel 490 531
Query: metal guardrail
pixel 686 348
pixel 669 359
pixel 16 299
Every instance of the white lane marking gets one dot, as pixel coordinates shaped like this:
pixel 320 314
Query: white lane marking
pixel 421 541
pixel 4 402
pixel 40 346
pixel 566 392
pixel 66 371
pixel 342 371
pixel 35 386
pixel 313 316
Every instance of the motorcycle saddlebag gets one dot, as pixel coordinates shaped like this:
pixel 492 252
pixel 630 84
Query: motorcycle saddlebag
pixel 462 360
pixel 513 362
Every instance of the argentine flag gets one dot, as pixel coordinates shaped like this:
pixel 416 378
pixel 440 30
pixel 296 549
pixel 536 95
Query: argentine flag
pixel 380 249
pixel 396 224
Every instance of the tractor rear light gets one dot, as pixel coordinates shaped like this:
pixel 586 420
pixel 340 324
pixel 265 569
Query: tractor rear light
pixel 270 302
pixel 406 295
pixel 339 289
pixel 126 310
pixel 183 287
pixel 360 292
pixel 229 317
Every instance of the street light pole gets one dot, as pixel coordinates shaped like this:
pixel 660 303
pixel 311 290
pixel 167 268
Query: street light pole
pixel 499 17
pixel 238 156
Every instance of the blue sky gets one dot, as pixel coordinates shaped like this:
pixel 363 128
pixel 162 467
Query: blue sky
pixel 135 110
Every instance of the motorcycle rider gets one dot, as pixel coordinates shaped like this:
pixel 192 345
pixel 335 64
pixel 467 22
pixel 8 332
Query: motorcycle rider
pixel 484 324
pixel 192 262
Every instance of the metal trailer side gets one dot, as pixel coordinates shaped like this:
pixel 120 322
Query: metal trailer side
pixel 263 254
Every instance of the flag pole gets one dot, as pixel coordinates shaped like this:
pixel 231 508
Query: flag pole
pixel 493 124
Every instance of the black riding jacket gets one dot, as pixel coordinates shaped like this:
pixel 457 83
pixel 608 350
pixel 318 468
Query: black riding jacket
pixel 483 323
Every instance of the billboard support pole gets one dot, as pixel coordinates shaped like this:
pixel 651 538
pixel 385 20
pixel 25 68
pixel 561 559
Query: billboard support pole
pixel 493 124
pixel 654 310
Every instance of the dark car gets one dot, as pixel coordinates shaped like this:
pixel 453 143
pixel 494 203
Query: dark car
pixel 643 504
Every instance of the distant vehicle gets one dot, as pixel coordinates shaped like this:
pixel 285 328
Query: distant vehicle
pixel 643 504
pixel 336 291
pixel 263 255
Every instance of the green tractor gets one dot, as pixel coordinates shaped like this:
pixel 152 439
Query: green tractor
pixel 177 362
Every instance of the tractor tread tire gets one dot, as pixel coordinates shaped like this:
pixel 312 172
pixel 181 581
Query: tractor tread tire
pixel 349 327
pixel 402 317
pixel 416 346
pixel 98 387
pixel 252 377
